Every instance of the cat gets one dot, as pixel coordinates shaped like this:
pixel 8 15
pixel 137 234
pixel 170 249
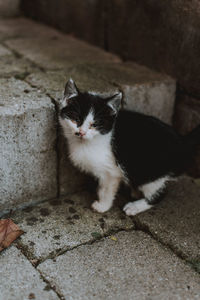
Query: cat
pixel 121 146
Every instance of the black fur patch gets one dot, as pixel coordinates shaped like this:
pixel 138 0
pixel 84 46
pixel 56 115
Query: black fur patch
pixel 79 107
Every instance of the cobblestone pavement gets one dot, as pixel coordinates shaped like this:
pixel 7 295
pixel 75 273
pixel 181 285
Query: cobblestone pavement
pixel 68 251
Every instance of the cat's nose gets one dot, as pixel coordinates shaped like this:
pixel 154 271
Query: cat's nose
pixel 82 132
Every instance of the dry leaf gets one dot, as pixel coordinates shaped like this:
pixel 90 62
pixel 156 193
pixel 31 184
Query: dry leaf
pixel 9 232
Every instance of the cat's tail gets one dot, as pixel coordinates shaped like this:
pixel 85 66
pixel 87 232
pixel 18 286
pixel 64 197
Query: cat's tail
pixel 193 138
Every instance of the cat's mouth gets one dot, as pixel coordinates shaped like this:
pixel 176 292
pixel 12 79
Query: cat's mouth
pixel 81 136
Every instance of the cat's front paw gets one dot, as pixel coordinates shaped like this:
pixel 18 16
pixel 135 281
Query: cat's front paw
pixel 100 207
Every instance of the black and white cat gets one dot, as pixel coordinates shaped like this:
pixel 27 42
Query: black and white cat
pixel 117 146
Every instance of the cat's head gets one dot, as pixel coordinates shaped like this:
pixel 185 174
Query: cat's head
pixel 86 115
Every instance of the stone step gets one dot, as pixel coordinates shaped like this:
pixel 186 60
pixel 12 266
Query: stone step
pixel 36 61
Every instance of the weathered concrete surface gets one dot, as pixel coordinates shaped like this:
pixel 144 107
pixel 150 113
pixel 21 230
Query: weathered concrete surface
pixel 53 82
pixel 143 89
pixel 27 146
pixel 15 66
pixel 9 8
pixel 58 225
pixel 176 220
pixel 59 52
pixel 20 280
pixel 132 267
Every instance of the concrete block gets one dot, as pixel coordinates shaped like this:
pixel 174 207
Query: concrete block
pixel 59 52
pixel 14 66
pixel 9 8
pixel 28 137
pixel 20 280
pixel 24 28
pixel 134 266
pixel 144 90
pixel 55 226
pixel 176 219
pixel 53 82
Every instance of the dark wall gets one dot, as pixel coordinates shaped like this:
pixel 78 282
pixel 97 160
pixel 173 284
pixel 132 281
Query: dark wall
pixel 84 19
pixel 164 35
pixel 161 34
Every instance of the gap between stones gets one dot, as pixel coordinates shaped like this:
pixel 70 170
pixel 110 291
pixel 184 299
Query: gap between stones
pixel 145 228
pixel 138 227
pixel 49 286
pixel 35 262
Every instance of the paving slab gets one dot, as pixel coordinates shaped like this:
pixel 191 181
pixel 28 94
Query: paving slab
pixel 176 219
pixel 55 226
pixel 59 52
pixel 132 266
pixel 20 280
pixel 28 165
pixel 144 90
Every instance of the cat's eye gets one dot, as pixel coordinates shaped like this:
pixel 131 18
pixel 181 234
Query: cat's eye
pixel 93 125
pixel 73 121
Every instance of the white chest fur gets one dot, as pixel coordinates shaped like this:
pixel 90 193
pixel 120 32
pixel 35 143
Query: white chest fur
pixel 94 156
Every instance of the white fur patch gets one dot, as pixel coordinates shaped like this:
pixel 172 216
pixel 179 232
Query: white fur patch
pixel 152 188
pixel 94 155
pixel 134 208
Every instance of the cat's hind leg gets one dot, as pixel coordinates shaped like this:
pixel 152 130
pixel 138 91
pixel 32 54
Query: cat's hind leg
pixel 151 192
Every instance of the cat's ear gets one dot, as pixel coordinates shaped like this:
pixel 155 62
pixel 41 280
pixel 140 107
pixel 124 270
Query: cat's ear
pixel 115 102
pixel 71 89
